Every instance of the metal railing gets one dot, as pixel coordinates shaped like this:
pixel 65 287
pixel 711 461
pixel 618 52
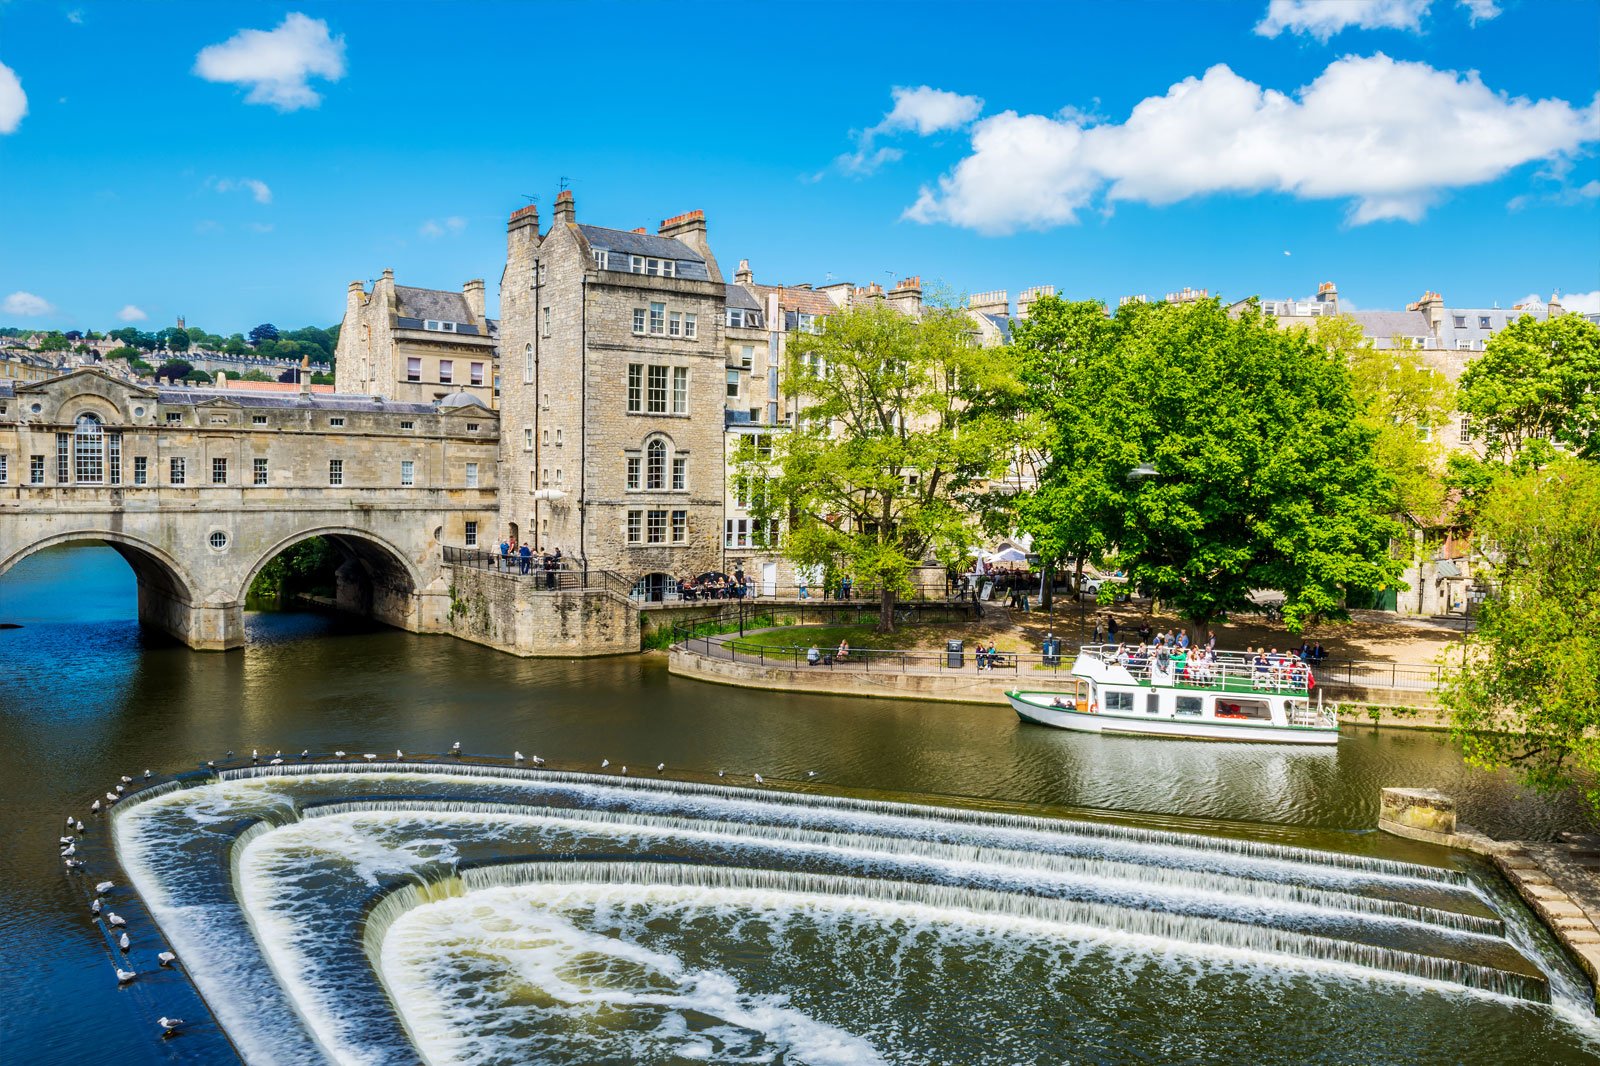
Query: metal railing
pixel 1021 665
pixel 562 577
pixel 754 589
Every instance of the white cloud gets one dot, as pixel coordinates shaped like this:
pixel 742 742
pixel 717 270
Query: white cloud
pixel 924 110
pixel 1566 197
pixel 26 304
pixel 439 227
pixel 276 64
pixel 259 227
pixel 1341 137
pixel 1584 303
pixel 1324 18
pixel 257 188
pixel 13 101
pixel 130 313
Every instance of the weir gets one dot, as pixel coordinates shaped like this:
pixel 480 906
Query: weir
pixel 288 880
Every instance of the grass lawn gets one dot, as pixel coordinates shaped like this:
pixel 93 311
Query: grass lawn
pixel 826 638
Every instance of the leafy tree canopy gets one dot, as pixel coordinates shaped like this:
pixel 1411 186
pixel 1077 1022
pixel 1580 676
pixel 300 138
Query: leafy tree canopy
pixel 1537 381
pixel 173 370
pixel 264 332
pixel 896 439
pixel 1264 471
pixel 1527 696
pixel 124 353
pixel 54 342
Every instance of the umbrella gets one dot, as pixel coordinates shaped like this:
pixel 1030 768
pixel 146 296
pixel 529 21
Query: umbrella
pixel 1010 555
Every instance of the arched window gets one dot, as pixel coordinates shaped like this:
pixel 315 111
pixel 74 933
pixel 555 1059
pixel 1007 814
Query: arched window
pixel 88 451
pixel 656 464
pixel 527 363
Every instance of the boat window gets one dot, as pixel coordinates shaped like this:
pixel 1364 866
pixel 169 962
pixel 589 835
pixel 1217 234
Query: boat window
pixel 1189 704
pixel 1256 709
pixel 1152 703
pixel 1119 701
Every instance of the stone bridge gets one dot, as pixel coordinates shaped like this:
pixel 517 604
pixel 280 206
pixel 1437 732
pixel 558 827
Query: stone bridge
pixel 199 489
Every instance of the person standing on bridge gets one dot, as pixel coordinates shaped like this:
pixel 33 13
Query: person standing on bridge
pixel 505 555
pixel 526 562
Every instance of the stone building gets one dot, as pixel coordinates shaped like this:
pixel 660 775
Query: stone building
pixel 612 406
pixel 416 345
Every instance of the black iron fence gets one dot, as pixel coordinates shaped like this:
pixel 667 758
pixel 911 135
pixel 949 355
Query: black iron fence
pixel 552 577
pixel 1332 673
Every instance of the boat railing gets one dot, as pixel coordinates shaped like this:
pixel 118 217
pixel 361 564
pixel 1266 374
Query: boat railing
pixel 1231 671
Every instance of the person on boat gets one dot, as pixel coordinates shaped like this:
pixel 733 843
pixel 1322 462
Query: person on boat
pixel 1180 663
pixel 843 653
pixel 1262 668
pixel 813 656
pixel 1068 704
pixel 1183 639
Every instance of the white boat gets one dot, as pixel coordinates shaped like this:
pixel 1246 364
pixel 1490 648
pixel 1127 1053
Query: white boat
pixel 1237 696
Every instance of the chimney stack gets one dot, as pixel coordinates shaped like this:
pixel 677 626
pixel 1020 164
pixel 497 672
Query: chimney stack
pixel 744 275
pixel 305 369
pixel 997 302
pixel 566 208
pixel 472 292
pixel 1029 295
pixel 906 296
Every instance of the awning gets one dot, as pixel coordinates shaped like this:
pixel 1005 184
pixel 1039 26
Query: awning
pixel 1446 568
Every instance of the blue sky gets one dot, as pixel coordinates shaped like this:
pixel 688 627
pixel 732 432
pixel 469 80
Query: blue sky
pixel 158 162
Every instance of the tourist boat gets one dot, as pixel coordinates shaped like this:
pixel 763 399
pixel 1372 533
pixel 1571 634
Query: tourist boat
pixel 1237 697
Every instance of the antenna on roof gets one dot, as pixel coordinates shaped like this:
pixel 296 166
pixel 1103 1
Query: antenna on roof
pixel 828 277
pixel 564 183
pixel 530 199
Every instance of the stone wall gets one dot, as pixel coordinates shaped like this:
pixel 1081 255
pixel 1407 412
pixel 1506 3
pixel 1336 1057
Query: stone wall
pixel 512 614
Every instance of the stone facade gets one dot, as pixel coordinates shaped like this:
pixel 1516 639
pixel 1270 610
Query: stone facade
pixel 416 345
pixel 516 614
pixel 198 489
pixel 612 409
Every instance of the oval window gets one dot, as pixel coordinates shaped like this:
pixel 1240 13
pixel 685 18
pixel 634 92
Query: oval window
pixel 219 540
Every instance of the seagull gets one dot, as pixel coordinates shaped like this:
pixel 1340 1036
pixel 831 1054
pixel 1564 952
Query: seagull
pixel 67 840
pixel 69 851
pixel 168 1025
pixel 210 765
pixel 720 772
pixel 624 770
pixel 94 908
pixel 95 807
pixel 121 789
pixel 147 773
pixel 115 920
pixel 126 780
pixel 124 976
pixel 166 958
pixel 111 797
pixel 338 755
pixel 124 943
pixel 660 766
pixel 811 773
pixel 304 754
pixel 229 755
pixel 75 864
pixel 275 762
pixel 369 756
pixel 255 756
pixel 516 756
pixel 103 887
pixel 78 826
pixel 760 780
pixel 537 761
pixel 398 754
pixel 278 754
pixel 604 763
pixel 69 821
pixel 455 749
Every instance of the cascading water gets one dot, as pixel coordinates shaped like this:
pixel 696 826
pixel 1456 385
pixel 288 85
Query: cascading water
pixel 375 913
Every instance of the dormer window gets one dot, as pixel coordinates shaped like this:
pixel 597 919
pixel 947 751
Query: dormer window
pixel 660 268
pixel 600 259
pixel 438 327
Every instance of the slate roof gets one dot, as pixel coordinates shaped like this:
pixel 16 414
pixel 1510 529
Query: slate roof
pixel 6 387
pixel 431 303
pixel 1384 325
pixel 1003 324
pixel 810 301
pixel 739 296
pixel 630 243
pixel 280 401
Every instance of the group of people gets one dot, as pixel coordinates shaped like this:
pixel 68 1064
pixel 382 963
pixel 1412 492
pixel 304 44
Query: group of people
pixel 987 657
pixel 1275 669
pixel 714 587
pixel 519 558
pixel 839 655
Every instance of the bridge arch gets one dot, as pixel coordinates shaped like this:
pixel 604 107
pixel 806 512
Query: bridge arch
pixel 377 579
pixel 167 590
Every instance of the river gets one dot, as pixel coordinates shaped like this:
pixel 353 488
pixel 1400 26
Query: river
pixel 85 696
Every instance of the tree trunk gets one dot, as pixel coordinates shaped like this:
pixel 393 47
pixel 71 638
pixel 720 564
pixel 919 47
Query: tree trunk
pixel 886 609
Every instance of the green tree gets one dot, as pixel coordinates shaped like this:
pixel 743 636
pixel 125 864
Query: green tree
pixel 125 353
pixel 322 379
pixel 1537 381
pixel 316 340
pixel 255 375
pixel 199 377
pixel 1526 695
pixel 264 332
pixel 235 345
pixel 1262 474
pixel 54 341
pixel 894 443
pixel 178 340
pixel 173 370
pixel 1061 349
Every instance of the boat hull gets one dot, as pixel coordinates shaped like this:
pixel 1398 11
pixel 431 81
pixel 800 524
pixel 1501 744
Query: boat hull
pixel 1040 713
